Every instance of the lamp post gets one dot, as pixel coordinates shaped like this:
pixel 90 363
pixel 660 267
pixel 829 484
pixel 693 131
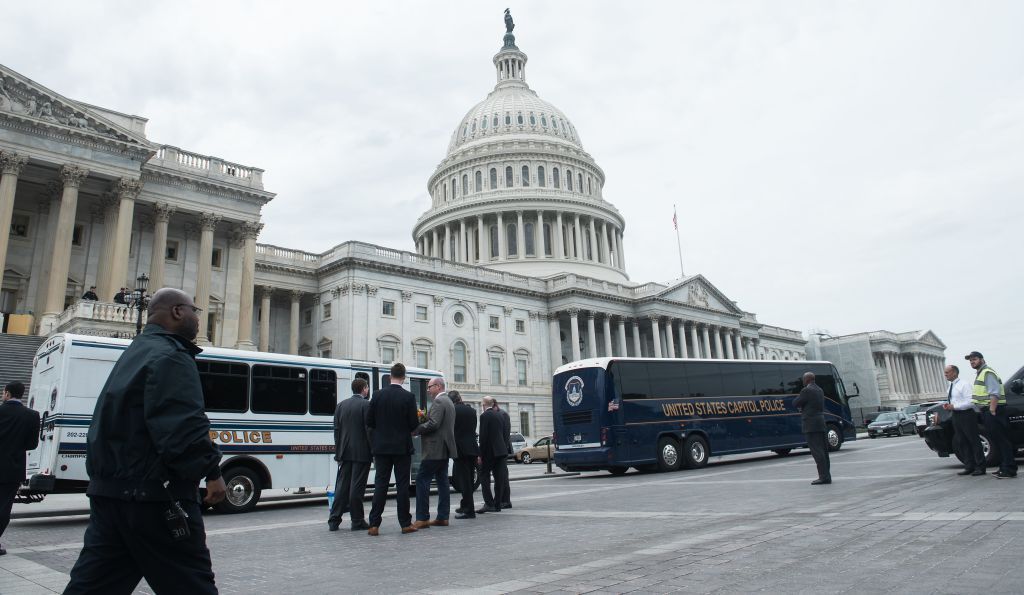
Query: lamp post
pixel 140 300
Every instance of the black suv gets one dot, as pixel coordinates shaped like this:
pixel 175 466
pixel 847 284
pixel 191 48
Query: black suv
pixel 939 433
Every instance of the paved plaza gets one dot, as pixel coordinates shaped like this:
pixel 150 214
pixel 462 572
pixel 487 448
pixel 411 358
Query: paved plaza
pixel 896 518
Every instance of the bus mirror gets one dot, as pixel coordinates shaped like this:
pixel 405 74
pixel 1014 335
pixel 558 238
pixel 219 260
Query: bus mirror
pixel 855 393
pixel 1017 386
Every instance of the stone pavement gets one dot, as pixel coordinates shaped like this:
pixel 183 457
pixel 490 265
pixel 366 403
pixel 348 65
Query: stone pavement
pixel 897 519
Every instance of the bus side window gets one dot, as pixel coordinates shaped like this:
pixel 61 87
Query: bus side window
pixel 634 381
pixel 225 386
pixel 768 379
pixel 705 379
pixel 667 379
pixel 418 387
pixel 824 378
pixel 278 389
pixel 323 391
pixel 736 379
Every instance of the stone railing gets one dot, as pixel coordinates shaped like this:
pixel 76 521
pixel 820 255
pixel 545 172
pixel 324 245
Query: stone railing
pixel 278 255
pixel 781 333
pixel 105 319
pixel 207 166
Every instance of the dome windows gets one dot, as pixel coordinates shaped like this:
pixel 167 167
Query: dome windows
pixel 579 178
pixel 556 181
pixel 465 184
pixel 543 120
pixel 526 175
pixel 533 119
pixel 465 130
pixel 478 181
pixel 511 239
pixel 540 176
pixel 508 118
pixel 508 177
pixel 495 120
pixel 519 118
pixel 568 180
pixel 494 179
pixel 483 123
pixel 473 129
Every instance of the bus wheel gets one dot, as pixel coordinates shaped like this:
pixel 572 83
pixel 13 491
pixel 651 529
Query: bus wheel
pixel 783 452
pixel 618 470
pixel 833 438
pixel 668 454
pixel 243 490
pixel 695 452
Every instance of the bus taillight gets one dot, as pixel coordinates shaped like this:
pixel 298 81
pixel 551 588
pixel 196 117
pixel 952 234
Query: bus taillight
pixel 604 436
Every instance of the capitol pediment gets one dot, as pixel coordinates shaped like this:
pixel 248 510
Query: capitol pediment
pixel 29 103
pixel 699 292
pixel 929 338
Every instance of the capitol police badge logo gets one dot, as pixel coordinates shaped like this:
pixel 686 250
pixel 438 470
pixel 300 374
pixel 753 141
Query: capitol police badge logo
pixel 574 391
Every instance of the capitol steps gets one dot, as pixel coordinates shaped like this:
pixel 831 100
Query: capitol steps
pixel 16 353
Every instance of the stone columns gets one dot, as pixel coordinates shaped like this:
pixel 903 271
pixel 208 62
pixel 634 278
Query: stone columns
pixel 104 280
pixel 501 238
pixel 247 233
pixel 591 335
pixel 607 331
pixel 574 330
pixel 669 332
pixel 682 339
pixel 622 251
pixel 293 325
pixel 163 213
pixel 719 354
pixel 728 345
pixel 126 190
pixel 707 341
pixel 738 338
pixel 521 237
pixel 433 244
pixel 72 177
pixel 559 237
pixel 918 376
pixel 265 294
pixel 462 252
pixel 11 165
pixel 656 336
pixel 481 246
pixel 538 236
pixel 623 350
pixel 594 249
pixel 605 251
pixel 638 352
pixel 695 341
pixel 890 372
pixel 446 245
pixel 555 340
pixel 579 239
pixel 615 248
pixel 208 223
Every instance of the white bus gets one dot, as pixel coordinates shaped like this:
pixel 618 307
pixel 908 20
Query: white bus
pixel 271 414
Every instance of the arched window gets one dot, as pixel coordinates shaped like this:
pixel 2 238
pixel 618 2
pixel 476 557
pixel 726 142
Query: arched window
pixel 494 241
pixel 528 229
pixel 533 119
pixel 547 239
pixel 453 244
pixel 494 179
pixel 540 176
pixel 459 362
pixel 543 120
pixel 508 177
pixel 519 118
pixel 478 181
pixel 465 130
pixel 526 175
pixel 590 185
pixel 465 184
pixel 446 190
pixel 568 180
pixel 511 240
pixel 579 178
pixel 473 129
pixel 556 181
pixel 483 123
pixel 508 119
pixel 455 187
pixel 495 120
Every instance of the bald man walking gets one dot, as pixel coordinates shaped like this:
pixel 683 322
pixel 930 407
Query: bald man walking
pixel 811 403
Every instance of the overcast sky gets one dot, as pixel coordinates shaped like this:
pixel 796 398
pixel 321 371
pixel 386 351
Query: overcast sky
pixel 846 166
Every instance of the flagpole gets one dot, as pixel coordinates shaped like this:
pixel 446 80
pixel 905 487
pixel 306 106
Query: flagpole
pixel 679 244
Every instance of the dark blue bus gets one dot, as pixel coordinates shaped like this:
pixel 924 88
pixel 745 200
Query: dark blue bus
pixel 663 414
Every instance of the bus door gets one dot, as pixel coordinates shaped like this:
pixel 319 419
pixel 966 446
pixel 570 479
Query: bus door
pixel 579 408
pixel 43 395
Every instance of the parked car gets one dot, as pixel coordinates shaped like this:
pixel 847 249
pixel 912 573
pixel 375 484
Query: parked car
pixel 518 443
pixel 939 436
pixel 538 452
pixel 891 423
pixel 919 412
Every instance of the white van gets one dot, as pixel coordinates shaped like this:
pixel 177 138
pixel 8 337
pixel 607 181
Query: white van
pixel 270 414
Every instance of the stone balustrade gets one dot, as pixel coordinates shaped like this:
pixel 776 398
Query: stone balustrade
pixel 106 319
pixel 206 166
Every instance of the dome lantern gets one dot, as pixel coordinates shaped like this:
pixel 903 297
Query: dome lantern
pixel 510 61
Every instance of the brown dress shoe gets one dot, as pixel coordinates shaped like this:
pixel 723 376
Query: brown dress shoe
pixel 374 531
pixel 409 529
pixel 421 525
pixel 439 523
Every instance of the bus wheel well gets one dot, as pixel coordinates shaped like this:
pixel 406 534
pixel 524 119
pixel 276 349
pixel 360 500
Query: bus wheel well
pixel 252 464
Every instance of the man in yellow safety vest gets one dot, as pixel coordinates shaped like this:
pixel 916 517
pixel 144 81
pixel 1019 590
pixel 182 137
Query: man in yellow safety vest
pixel 988 395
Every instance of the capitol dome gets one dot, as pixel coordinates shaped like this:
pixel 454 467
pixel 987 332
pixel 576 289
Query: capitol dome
pixel 516 191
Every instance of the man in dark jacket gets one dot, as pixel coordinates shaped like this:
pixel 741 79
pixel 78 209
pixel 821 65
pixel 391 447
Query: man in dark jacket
pixel 811 403
pixel 148 448
pixel 352 451
pixel 19 432
pixel 437 445
pixel 468 451
pixel 392 420
pixel 493 455
pixel 506 432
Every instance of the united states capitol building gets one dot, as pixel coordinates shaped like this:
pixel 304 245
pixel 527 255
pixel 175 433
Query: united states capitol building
pixel 518 263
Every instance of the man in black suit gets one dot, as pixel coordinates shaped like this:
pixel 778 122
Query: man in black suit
pixel 392 419
pixel 352 451
pixel 506 432
pixel 19 432
pixel 811 403
pixel 493 456
pixel 468 451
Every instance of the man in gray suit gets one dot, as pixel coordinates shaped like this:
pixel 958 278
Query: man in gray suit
pixel 437 442
pixel 352 451
pixel 811 403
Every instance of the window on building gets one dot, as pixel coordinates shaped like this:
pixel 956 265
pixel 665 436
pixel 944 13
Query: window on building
pixel 327 311
pixel 521 371
pixel 422 358
pixel 78 235
pixel 422 313
pixel 225 386
pixel 579 178
pixel 519 117
pixel 511 239
pixel 508 177
pixel 590 185
pixel 541 181
pixel 483 123
pixel 495 120
pixel 543 120
pixel 459 362
pixel 387 355
pixel 529 230
pixel 171 251
pixel 495 363
pixel 307 316
pixel 526 175
pixel 555 180
pixel 19 225
pixel 278 389
pixel 494 323
pixel 216 258
pixel 494 241
pixel 465 184
pixel 458 318
pixel 387 308
pixel 455 188
pixel 524 423
pixel 494 179
pixel 547 239
pixel 325 353
pixel 446 191
pixel 478 181
pixel 533 119
pixel 323 391
pixel 568 180
pixel 520 325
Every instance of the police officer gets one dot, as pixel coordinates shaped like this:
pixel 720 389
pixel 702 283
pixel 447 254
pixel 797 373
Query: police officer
pixel 989 396
pixel 148 448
